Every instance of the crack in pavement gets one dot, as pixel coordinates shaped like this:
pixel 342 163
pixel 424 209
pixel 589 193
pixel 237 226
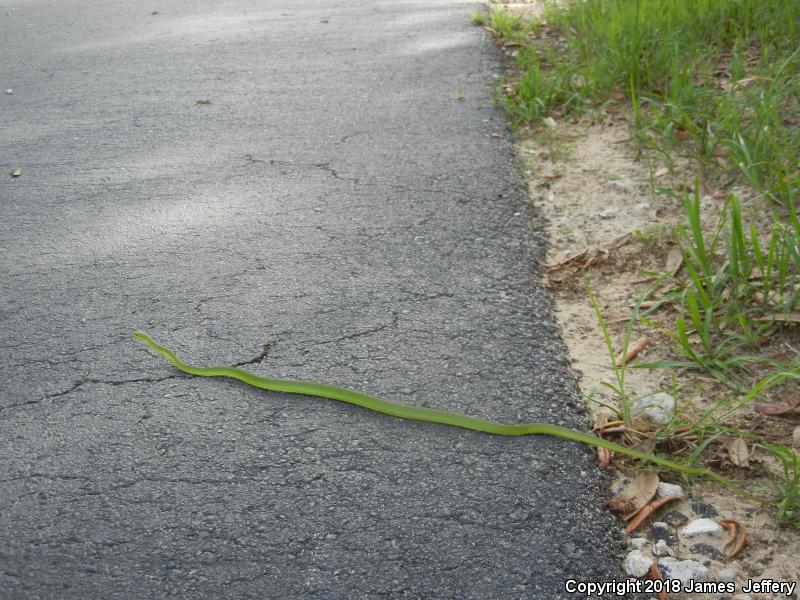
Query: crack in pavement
pixel 363 332
pixel 90 380
pixel 260 358
pixel 326 167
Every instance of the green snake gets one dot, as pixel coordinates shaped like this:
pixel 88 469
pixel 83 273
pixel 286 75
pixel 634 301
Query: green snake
pixel 430 415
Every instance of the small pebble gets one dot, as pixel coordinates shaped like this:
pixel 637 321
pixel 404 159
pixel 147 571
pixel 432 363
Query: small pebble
pixel 669 490
pixel 675 517
pixel 702 509
pixel 700 527
pixel 726 575
pixel 707 550
pixel 636 543
pixel 637 563
pixel 685 570
pixel 661 548
pixel 608 213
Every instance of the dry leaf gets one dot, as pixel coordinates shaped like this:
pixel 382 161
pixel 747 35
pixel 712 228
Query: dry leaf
pixel 782 317
pixel 779 410
pixel 674 261
pixel 16 172
pixel 738 453
pixel 737 540
pixel 655 575
pixel 661 172
pixel 635 495
pixel 604 456
pixel 648 510
pixel 633 350
pixel 203 101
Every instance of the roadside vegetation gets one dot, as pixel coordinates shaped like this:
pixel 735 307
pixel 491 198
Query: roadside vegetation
pixel 716 85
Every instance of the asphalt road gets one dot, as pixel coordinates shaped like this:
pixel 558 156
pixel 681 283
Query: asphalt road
pixel 341 207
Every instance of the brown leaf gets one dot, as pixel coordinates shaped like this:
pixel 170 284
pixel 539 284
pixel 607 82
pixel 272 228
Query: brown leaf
pixel 633 350
pixel 674 261
pixel 655 575
pixel 738 537
pixel 782 317
pixel 779 410
pixel 738 453
pixel 682 134
pixel 641 516
pixel 604 456
pixel 635 495
pixel 16 172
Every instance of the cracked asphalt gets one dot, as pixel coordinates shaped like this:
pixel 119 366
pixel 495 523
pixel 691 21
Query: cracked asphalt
pixel 344 209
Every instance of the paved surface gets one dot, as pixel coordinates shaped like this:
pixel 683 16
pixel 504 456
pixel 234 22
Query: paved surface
pixel 344 210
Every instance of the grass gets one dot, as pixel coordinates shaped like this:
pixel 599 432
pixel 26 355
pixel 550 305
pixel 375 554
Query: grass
pixel 736 286
pixel 717 81
pixel 478 18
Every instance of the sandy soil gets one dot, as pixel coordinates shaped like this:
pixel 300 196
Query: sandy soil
pixel 600 197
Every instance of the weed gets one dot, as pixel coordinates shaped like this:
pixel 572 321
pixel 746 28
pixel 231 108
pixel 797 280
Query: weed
pixel 478 18
pixel 653 235
pixel 786 486
pixel 735 282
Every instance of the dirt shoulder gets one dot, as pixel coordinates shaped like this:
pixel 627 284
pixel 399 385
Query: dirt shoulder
pixel 674 266
pixel 607 227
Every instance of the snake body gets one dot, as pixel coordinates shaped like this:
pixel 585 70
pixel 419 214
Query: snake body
pixel 417 413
